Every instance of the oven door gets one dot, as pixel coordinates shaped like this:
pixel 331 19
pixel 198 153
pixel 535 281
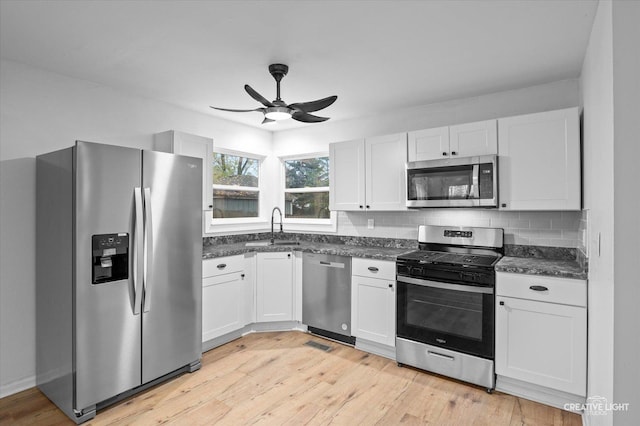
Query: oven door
pixel 461 182
pixel 453 316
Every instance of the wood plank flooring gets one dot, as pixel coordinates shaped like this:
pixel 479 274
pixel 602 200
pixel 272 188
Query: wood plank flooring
pixel 275 379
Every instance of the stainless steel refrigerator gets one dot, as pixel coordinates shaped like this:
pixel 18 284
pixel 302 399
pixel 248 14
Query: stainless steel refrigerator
pixel 118 275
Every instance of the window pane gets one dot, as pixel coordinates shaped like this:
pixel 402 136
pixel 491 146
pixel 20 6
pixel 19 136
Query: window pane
pixel 235 170
pixel 307 173
pixel 312 205
pixel 228 204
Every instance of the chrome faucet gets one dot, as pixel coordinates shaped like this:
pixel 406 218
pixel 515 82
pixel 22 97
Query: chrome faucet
pixel 272 214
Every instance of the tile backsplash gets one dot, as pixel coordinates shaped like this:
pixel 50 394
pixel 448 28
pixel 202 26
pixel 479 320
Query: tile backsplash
pixel 549 228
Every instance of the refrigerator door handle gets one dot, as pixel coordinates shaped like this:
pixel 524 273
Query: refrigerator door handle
pixel 137 250
pixel 148 249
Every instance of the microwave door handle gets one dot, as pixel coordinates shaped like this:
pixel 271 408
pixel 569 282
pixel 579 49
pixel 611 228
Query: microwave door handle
pixel 475 183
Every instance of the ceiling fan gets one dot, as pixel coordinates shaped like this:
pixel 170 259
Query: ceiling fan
pixel 278 109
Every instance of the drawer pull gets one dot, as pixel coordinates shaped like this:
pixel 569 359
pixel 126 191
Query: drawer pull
pixel 221 265
pixel 538 288
pixel 372 269
pixel 439 355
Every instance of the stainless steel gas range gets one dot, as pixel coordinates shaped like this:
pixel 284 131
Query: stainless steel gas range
pixel 445 303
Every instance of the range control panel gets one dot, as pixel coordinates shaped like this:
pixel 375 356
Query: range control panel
pixel 458 234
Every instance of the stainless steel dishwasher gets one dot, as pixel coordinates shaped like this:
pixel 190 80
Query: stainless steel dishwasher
pixel 326 296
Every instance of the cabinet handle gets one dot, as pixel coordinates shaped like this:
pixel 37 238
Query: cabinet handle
pixel 504 204
pixel 444 153
pixel 221 265
pixel 391 286
pixel 210 206
pixel 501 303
pixel 360 206
pixel 538 288
pixel 373 269
pixel 242 276
pixel 454 153
pixel 289 255
pixel 368 206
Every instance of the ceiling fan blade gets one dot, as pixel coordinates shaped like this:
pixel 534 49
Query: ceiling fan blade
pixel 238 110
pixel 257 96
pixel 307 118
pixel 314 105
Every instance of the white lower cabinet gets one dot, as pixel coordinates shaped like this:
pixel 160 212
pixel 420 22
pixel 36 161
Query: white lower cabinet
pixel 539 341
pixel 274 287
pixel 223 296
pixel 373 300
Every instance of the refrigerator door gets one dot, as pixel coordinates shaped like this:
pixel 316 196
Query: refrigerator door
pixel 172 306
pixel 107 332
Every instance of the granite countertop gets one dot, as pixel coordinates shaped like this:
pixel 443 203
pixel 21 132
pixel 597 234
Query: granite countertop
pixel 371 252
pixel 548 267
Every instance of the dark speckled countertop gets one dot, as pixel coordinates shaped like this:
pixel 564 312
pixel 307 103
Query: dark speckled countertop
pixel 564 268
pixel 382 253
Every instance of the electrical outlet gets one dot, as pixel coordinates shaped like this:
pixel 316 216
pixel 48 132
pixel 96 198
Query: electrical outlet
pixel 369 223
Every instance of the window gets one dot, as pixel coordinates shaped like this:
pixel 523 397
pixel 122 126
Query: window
pixel 236 186
pixel 306 189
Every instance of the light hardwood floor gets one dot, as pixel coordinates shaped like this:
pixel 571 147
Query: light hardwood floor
pixel 275 379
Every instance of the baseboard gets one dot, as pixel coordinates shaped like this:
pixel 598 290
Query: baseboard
pixel 541 394
pixel 17 386
pixel 376 348
pixel 256 327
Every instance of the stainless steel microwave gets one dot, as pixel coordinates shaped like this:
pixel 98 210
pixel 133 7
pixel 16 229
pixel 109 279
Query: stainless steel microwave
pixel 458 182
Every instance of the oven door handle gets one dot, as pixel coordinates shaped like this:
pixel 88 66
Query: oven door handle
pixel 445 286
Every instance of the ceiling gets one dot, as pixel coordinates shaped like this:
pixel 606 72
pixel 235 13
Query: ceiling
pixel 375 55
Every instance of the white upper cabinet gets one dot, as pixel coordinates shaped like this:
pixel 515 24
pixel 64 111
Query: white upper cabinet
pixel 346 175
pixel 462 140
pixel 539 161
pixel 472 139
pixel 192 146
pixel 368 174
pixel 428 144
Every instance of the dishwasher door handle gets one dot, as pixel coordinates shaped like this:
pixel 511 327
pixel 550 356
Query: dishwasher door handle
pixel 331 264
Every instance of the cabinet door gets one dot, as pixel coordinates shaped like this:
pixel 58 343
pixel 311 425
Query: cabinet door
pixel 386 185
pixel 274 287
pixel 373 309
pixel 346 176
pixel 223 309
pixel 539 164
pixel 472 139
pixel 193 146
pixel 428 144
pixel 542 343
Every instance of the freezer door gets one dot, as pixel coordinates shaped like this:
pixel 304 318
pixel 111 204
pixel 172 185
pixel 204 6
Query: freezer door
pixel 172 306
pixel 107 333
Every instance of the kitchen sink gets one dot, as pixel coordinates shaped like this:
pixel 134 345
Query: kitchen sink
pixel 269 243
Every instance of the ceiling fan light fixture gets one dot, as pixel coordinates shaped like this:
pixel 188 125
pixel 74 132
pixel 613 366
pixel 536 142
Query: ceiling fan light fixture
pixel 277 113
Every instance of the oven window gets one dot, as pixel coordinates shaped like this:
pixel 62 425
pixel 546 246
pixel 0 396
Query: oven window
pixel 452 312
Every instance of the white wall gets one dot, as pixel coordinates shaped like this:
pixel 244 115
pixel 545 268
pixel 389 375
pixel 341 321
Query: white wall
pixel 597 93
pixel 560 229
pixel 41 112
pixel 626 152
pixel 610 92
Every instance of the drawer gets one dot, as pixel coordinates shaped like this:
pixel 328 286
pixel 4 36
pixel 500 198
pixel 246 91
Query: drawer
pixel 222 265
pixel 373 268
pixel 565 291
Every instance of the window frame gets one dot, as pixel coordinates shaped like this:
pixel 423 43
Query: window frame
pixel 225 225
pixel 304 224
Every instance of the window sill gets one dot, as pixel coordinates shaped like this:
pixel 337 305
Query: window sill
pixel 233 226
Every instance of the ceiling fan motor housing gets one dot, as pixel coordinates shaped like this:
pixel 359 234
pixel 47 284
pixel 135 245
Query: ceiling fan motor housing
pixel 278 71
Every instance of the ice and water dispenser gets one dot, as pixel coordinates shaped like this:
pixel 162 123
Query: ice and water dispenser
pixel 110 258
